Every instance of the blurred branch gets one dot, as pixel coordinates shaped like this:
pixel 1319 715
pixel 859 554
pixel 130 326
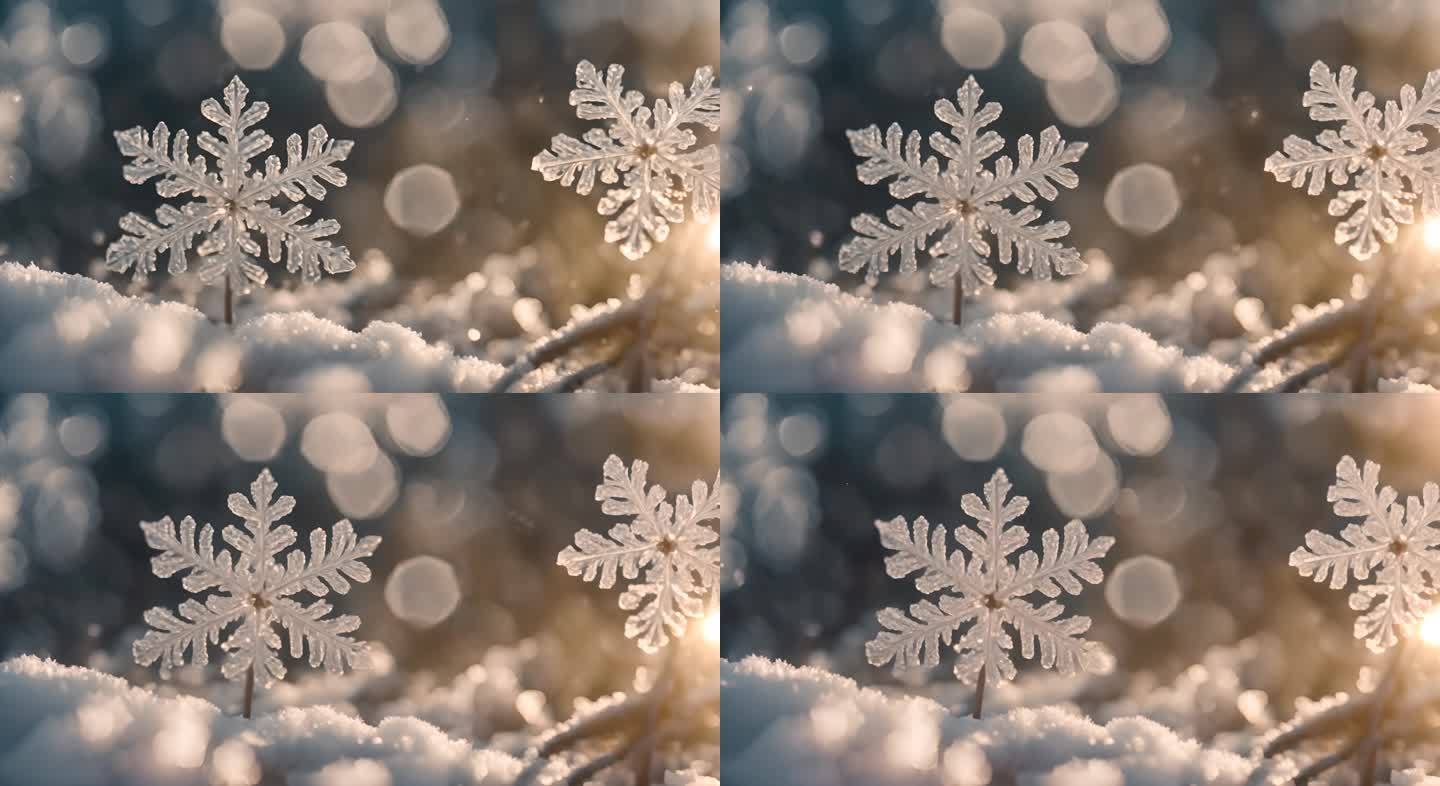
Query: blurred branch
pixel 568 338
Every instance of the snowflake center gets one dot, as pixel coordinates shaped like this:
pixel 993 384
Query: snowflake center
pixel 648 149
pixel 259 602
pixel 667 545
pixel 1399 546
pixel 1377 152
pixel 962 207
pixel 992 602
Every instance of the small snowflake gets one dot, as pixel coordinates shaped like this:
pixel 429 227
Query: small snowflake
pixel 963 200
pixel 255 590
pixel 681 562
pixel 1381 150
pixel 989 592
pixel 1399 544
pixel 229 203
pixel 651 149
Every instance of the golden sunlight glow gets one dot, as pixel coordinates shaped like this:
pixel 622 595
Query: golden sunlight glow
pixel 1431 232
pixel 1430 628
pixel 710 627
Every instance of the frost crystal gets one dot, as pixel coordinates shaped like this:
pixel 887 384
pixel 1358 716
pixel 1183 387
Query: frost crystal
pixel 989 592
pixel 677 552
pixel 255 590
pixel 650 149
pixel 1400 545
pixel 227 204
pixel 1381 150
pixel 963 200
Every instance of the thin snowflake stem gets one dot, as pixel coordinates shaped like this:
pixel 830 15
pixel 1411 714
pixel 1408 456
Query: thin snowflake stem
pixel 1361 378
pixel 979 694
pixel 959 310
pixel 229 303
pixel 249 689
pixel 649 733
pixel 1370 750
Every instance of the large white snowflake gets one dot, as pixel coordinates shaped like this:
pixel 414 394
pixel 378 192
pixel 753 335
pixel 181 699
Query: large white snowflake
pixel 672 546
pixel 1381 151
pixel 962 199
pixel 1399 544
pixel 988 592
pixel 255 590
pixel 652 150
pixel 233 200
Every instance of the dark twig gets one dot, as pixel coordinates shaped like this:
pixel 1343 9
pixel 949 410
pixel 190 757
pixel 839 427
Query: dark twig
pixel 561 342
pixel 230 311
pixel 958 313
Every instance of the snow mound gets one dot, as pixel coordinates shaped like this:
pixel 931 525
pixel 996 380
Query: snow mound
pixel 821 729
pixel 63 332
pixel 787 332
pixel 71 726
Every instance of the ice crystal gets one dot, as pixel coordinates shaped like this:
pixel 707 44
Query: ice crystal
pixel 989 592
pixel 672 546
pixel 651 150
pixel 963 199
pixel 1399 544
pixel 1381 151
pixel 253 588
pixel 233 200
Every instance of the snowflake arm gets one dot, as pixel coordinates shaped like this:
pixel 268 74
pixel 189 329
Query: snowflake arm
pixel 327 640
pixel 197 627
pixel 921 549
pixel 181 550
pixel 648 154
pixel 1063 566
pixel 670 544
pixel 914 641
pixel 173 231
pixel 1059 640
pixel 331 566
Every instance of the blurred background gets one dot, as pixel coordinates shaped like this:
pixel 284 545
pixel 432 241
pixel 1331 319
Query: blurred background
pixel 1207 496
pixel 474 625
pixel 447 100
pixel 1180 100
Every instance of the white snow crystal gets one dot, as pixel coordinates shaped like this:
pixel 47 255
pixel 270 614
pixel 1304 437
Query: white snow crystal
pixel 963 200
pixel 1382 151
pixel 255 590
pixel 650 149
pixel 1399 544
pixel 227 204
pixel 988 592
pixel 681 562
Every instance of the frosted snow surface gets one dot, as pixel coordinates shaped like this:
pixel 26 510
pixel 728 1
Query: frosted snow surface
pixel 786 332
pixel 71 726
pixel 820 729
pixel 63 332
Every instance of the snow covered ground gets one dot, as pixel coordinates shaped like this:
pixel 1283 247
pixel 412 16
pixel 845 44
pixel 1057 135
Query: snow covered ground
pixel 75 726
pixel 785 332
pixel 822 729
pixel 64 332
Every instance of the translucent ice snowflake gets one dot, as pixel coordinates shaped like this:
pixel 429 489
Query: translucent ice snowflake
pixel 677 552
pixel 1399 544
pixel 989 592
pixel 227 204
pixel 1382 151
pixel 652 150
pixel 963 200
pixel 255 590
